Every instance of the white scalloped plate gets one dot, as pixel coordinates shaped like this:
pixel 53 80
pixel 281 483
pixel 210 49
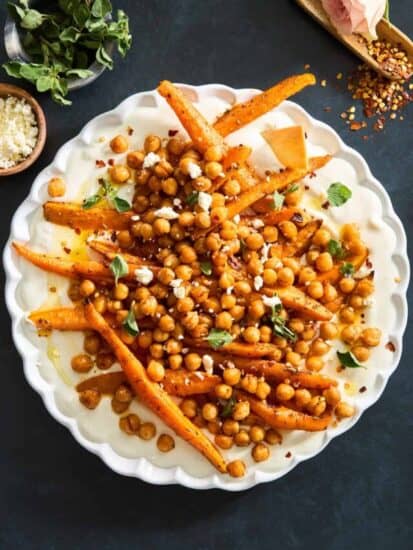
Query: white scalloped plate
pixel 46 370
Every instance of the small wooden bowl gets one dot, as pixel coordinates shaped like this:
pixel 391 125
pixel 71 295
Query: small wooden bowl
pixel 10 90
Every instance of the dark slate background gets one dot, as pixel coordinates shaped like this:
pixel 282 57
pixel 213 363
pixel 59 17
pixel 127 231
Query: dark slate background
pixel 357 493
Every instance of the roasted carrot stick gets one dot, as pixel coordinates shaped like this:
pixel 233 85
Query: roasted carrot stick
pixel 303 240
pixel 272 183
pixel 283 418
pixel 88 269
pixel 110 250
pixel 64 318
pixel 200 131
pixel 152 395
pixel 106 383
pixel 294 298
pixel 335 274
pixel 236 348
pixel 276 372
pixel 243 113
pixel 73 215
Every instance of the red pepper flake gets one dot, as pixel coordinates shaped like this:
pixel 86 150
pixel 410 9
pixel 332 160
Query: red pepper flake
pixel 78 231
pixel 312 175
pixel 369 263
pixel 288 455
pixel 130 130
pixel 325 205
pixel 111 162
pixel 362 389
pixel 355 126
pixel 113 236
pixel 67 249
pixel 306 187
pixel 52 289
pixel 100 163
pixel 390 346
pixel 172 133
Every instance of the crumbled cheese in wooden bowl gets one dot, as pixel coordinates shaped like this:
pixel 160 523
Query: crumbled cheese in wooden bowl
pixel 18 131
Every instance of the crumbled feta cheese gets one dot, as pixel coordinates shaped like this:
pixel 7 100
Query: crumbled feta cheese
pixel 208 363
pixel 175 283
pixel 194 170
pixel 258 282
pixel 257 223
pixel 229 290
pixel 18 131
pixel 363 272
pixel 237 218
pixel 144 275
pixel 135 218
pixel 150 160
pixel 265 252
pixel 167 213
pixel 177 202
pixel 271 301
pixel 199 375
pixel 204 201
pixel 179 292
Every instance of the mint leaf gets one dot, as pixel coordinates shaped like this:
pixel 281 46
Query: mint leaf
pixel 218 338
pixel 130 324
pixel 91 201
pixel 278 200
pixel 347 269
pixel 192 198
pixel 119 267
pixel 32 20
pixel 206 267
pixel 336 250
pixel 348 360
pixel 278 324
pixel 291 188
pixel 227 407
pixel 121 205
pixel 338 194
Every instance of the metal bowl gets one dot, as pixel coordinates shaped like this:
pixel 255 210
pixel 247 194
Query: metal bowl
pixel 15 51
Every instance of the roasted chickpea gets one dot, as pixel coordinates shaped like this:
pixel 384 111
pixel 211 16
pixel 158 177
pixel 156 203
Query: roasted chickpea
pixel 81 363
pixel 272 437
pixel 257 433
pixel 224 441
pixel 119 173
pixel 213 169
pixel 260 452
pixel 364 288
pixel 361 353
pixel 230 426
pixel 285 276
pixel 176 146
pixel 232 188
pixel 119 144
pixel 92 343
pixel 161 226
pixel 193 361
pixel 121 291
pixel 123 394
pixel 175 361
pixel 344 410
pixel 317 405
pixel 332 396
pixel 87 288
pixel 223 391
pixel 350 334
pixel 147 431
pixel 293 358
pixel 90 398
pixel 118 407
pixel 263 390
pixel 124 239
pixel 165 443
pixel 152 144
pixel 130 424
pixel 56 187
pixel 328 331
pixel 289 230
pixel 249 383
pixel 155 370
pixel 231 377
pixel 257 309
pixel 322 237
pixel 251 335
pixel 104 360
pixel 302 397
pixel 135 159
pixel 254 241
pixel 242 438
pixel 169 186
pixel 319 347
pixel 315 289
pixel 306 275
pixel 218 214
pixel 347 285
pixel 347 315
pixel 209 412
pixel 314 363
pixel 371 337
pixel 324 262
pixel 284 392
pixel 189 407
pixel 236 468
pixel 270 234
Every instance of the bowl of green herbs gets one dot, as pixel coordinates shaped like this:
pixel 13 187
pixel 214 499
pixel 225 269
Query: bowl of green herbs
pixel 64 45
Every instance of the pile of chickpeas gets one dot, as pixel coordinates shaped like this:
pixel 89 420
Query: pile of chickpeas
pixel 227 299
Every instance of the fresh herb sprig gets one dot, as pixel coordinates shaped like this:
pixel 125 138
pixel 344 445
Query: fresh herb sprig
pixel 106 190
pixel 338 194
pixel 278 324
pixel 63 43
pixel 279 198
pixel 218 337
pixel 348 360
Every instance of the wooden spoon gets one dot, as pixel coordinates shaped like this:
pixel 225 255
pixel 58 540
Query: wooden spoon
pixel 385 31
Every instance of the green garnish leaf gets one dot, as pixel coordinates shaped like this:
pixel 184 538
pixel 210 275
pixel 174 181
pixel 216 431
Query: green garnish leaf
pixel 278 324
pixel 336 249
pixel 206 267
pixel 119 267
pixel 278 200
pixel 130 324
pixel 227 407
pixel 218 338
pixel 121 205
pixel 192 198
pixel 291 188
pixel 348 360
pixel 347 269
pixel 91 201
pixel 338 194
pixel 64 40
